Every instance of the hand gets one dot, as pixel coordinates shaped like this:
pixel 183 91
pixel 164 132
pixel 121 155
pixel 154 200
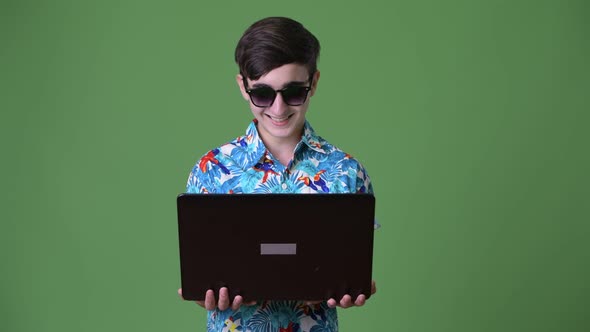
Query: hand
pixel 346 301
pixel 223 303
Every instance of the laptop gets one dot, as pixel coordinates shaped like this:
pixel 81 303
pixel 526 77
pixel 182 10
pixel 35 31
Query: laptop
pixel 276 246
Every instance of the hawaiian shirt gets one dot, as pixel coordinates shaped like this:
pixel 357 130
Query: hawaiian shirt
pixel 244 165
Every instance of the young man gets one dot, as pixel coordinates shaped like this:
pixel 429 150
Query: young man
pixel 280 153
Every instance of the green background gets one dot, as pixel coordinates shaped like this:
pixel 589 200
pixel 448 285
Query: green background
pixel 470 116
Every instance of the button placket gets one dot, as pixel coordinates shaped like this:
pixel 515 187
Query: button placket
pixel 284 177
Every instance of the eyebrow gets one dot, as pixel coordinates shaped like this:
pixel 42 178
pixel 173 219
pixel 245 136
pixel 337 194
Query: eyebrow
pixel 296 83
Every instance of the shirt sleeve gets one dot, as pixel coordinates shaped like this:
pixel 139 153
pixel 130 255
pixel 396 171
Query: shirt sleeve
pixel 198 181
pixel 364 185
pixel 363 182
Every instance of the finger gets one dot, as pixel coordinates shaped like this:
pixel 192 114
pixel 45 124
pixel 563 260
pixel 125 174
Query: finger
pixel 346 301
pixel 332 303
pixel 238 300
pixel 360 300
pixel 210 300
pixel 250 303
pixel 373 287
pixel 200 303
pixel 223 299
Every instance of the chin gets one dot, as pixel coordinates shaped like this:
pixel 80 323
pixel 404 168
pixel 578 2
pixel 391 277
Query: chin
pixel 281 133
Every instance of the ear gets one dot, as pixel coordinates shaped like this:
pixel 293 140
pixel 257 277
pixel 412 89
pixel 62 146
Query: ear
pixel 314 85
pixel 240 82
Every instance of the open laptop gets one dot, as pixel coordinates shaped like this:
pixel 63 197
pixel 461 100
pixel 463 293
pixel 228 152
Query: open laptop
pixel 277 246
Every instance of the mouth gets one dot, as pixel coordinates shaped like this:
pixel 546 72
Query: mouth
pixel 279 121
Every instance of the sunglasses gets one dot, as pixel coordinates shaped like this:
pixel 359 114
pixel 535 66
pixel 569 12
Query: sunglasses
pixel 293 95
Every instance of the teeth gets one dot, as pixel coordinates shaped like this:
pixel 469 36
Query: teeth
pixel 279 119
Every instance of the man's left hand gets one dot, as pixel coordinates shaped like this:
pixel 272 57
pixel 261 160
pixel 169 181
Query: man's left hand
pixel 346 301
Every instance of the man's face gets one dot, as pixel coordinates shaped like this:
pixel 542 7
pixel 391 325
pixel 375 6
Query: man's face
pixel 280 123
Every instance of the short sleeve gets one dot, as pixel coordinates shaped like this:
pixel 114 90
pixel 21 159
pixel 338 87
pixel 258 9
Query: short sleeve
pixel 363 182
pixel 198 182
pixel 364 185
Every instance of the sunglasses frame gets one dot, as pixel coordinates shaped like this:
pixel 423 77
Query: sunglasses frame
pixel 276 92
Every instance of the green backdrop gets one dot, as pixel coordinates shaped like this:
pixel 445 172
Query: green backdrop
pixel 470 116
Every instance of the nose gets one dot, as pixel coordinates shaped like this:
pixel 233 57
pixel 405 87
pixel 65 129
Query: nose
pixel 279 106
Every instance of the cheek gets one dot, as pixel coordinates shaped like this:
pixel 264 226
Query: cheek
pixel 256 111
pixel 303 108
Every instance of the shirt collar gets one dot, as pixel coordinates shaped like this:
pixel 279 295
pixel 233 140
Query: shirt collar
pixel 258 149
pixel 312 140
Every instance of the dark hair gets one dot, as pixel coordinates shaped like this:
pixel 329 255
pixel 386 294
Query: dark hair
pixel 275 41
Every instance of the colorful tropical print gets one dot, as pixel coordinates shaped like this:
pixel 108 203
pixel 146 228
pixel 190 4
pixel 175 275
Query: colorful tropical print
pixel 244 165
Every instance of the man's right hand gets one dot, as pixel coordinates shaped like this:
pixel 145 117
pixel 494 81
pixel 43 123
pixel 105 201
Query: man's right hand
pixel 223 304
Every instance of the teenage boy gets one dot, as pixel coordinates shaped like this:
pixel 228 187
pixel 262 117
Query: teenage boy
pixel 280 153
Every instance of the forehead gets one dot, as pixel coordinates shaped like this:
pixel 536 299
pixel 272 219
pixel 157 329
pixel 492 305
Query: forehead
pixel 283 75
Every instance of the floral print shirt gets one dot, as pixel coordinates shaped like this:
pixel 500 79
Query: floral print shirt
pixel 244 165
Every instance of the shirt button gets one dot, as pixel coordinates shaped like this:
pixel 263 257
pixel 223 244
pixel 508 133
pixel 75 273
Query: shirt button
pixel 284 186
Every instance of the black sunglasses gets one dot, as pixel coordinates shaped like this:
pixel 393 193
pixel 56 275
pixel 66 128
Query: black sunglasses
pixel 293 95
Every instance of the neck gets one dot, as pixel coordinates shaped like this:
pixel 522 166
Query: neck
pixel 281 148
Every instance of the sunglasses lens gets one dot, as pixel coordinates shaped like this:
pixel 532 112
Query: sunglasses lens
pixel 295 95
pixel 262 97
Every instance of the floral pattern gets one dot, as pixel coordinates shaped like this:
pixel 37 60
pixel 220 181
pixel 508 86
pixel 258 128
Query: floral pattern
pixel 244 165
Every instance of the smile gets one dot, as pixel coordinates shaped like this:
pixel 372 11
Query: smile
pixel 282 119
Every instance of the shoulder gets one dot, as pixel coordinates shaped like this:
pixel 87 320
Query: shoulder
pixel 218 157
pixel 347 164
pixel 212 165
pixel 333 154
pixel 324 149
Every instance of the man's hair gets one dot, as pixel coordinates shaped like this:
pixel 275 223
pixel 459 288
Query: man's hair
pixel 275 41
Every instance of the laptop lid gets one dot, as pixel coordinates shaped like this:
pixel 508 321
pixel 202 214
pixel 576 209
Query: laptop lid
pixel 276 247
